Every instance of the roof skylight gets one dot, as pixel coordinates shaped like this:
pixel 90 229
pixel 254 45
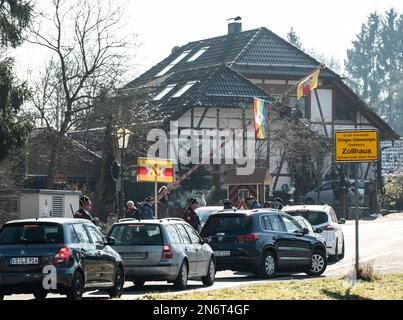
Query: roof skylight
pixel 185 88
pixel 173 63
pixel 197 54
pixel 164 92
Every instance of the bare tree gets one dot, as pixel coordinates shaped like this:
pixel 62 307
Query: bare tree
pixel 88 57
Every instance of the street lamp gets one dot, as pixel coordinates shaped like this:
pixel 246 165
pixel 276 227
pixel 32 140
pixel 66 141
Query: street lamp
pixel 123 141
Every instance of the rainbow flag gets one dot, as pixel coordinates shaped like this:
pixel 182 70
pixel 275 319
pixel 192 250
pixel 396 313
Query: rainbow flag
pixel 260 118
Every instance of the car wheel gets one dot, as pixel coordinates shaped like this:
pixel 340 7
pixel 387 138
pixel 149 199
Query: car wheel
pixel 341 256
pixel 116 291
pixel 139 283
pixel 318 264
pixel 208 280
pixel 40 295
pixel 309 202
pixel 268 266
pixel 75 291
pixel 181 280
pixel 335 257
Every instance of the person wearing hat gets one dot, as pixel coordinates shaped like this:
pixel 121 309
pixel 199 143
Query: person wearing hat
pixel 147 211
pixel 227 204
pixel 190 215
pixel 132 211
pixel 278 203
pixel 85 209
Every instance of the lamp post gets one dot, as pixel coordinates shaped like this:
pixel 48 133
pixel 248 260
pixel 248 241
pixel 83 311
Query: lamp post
pixel 123 141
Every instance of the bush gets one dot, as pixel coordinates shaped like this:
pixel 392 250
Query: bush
pixel 393 197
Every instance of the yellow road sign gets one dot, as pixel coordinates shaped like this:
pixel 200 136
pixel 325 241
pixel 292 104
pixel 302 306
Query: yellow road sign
pixel 155 170
pixel 356 146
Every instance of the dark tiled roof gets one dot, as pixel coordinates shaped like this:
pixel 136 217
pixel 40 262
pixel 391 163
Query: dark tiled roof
pixel 216 86
pixel 223 49
pixel 257 51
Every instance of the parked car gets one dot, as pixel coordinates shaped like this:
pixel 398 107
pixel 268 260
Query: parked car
pixel 82 257
pixel 204 212
pixel 166 249
pixel 329 191
pixel 323 217
pixel 263 241
pixel 315 232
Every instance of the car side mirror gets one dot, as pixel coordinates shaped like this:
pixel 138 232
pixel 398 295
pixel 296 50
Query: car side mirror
pixel 111 241
pixel 342 221
pixel 318 230
pixel 305 231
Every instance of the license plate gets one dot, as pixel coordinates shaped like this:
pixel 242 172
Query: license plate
pixel 23 261
pixel 135 255
pixel 222 253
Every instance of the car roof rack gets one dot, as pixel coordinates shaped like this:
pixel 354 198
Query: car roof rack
pixel 128 219
pixel 175 219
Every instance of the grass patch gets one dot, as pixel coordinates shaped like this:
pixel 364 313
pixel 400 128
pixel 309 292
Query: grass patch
pixel 389 287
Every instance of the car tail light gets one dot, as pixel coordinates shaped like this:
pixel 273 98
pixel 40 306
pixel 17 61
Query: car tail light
pixel 328 228
pixel 167 253
pixel 251 237
pixel 62 256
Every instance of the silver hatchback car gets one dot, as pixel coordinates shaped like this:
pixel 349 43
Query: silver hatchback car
pixel 164 249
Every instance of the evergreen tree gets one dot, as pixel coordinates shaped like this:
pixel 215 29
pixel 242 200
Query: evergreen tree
pixel 362 61
pixel 294 39
pixel 14 17
pixel 391 65
pixel 375 65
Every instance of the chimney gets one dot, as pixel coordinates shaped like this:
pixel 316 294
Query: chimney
pixel 236 26
pixel 175 49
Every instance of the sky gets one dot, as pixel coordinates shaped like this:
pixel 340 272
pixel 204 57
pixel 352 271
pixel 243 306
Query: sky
pixel 326 26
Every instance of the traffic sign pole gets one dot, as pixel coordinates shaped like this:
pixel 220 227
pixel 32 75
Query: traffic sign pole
pixel 357 247
pixel 156 197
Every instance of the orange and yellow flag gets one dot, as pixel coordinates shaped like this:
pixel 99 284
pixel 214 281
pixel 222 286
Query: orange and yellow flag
pixel 308 84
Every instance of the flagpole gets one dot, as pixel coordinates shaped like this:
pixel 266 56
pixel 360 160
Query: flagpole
pixel 321 113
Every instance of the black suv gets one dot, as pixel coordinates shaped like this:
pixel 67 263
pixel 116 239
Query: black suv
pixel 74 248
pixel 263 241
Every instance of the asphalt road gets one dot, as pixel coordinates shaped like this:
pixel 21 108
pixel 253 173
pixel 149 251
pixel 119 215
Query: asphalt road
pixel 381 244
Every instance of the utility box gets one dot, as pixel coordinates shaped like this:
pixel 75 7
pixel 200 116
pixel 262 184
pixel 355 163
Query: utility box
pixel 47 203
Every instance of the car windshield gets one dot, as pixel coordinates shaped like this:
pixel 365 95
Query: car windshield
pixel 314 217
pixel 32 233
pixel 136 234
pixel 227 224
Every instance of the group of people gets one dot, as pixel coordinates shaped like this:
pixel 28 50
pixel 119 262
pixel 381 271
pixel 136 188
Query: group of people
pixel 147 208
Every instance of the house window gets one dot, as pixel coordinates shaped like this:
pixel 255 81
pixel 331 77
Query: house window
pixel 300 105
pixel 173 63
pixel 343 111
pixel 197 54
pixel 164 92
pixel 185 88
